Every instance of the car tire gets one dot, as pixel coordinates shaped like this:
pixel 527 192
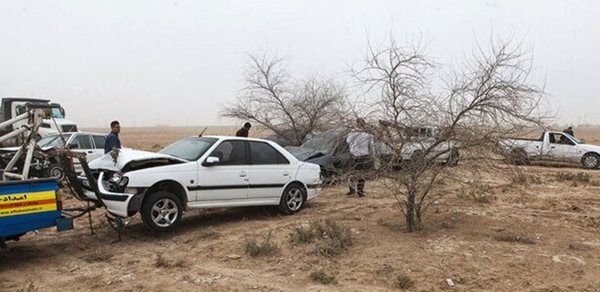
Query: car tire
pixel 162 211
pixel 590 161
pixel 292 199
pixel 55 171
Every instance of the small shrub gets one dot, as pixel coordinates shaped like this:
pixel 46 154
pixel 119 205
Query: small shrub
pixel 523 179
pixel 264 248
pixel 30 288
pixel 97 256
pixel 322 278
pixel 303 234
pixel 513 237
pixel 209 234
pixel 162 262
pixel 336 239
pixel 580 177
pixel 403 282
pixel 331 237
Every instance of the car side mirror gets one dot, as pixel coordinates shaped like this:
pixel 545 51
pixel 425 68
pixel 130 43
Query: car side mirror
pixel 211 160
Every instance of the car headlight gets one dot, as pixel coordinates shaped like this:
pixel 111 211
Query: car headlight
pixel 116 177
pixel 118 181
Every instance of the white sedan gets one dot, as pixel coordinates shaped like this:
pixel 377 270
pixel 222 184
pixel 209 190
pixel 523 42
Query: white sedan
pixel 201 172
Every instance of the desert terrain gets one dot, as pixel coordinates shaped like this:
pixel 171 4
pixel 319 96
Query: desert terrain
pixel 537 232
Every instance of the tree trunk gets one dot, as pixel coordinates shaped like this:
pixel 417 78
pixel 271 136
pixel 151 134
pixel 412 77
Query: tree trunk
pixel 411 222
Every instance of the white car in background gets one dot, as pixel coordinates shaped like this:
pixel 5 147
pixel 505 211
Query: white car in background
pixel 201 172
pixel 91 144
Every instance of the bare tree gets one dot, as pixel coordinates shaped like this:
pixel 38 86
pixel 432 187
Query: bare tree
pixel 289 108
pixel 489 99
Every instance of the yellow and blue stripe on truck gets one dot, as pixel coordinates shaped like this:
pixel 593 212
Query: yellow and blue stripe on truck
pixel 28 205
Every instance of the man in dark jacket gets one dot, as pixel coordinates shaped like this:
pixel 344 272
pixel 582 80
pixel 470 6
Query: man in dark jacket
pixel 569 131
pixel 112 139
pixel 243 132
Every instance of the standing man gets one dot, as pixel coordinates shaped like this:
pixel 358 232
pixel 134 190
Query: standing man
pixel 569 131
pixel 361 147
pixel 243 132
pixel 112 139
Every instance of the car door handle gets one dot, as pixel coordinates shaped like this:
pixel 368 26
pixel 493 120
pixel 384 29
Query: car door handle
pixel 552 147
pixel 285 173
pixel 90 152
pixel 243 174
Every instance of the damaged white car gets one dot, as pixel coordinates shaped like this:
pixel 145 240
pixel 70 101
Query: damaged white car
pixel 201 172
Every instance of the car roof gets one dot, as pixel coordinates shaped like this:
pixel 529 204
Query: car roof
pixel 237 138
pixel 71 133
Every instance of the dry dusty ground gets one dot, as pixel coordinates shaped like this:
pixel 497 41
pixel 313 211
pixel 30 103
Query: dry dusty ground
pixel 500 234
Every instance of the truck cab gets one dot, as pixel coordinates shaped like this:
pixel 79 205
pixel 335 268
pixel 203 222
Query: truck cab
pixel 11 107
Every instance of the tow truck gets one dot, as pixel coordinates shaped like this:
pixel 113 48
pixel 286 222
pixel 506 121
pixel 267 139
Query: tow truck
pixel 30 203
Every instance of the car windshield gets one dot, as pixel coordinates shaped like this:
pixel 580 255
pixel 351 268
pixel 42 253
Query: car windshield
pixel 324 142
pixel 57 114
pixel 189 148
pixel 53 141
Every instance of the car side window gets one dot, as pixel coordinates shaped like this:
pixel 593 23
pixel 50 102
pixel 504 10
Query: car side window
pixel 263 153
pixel 230 153
pixel 81 142
pixel 560 139
pixel 99 140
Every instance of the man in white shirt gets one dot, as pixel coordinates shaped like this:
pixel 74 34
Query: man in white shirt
pixel 361 146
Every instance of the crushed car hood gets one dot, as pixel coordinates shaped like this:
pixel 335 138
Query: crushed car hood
pixel 303 153
pixel 128 157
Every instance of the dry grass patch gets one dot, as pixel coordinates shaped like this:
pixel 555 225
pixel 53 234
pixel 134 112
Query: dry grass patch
pixel 513 237
pixel 403 281
pixel 266 247
pixel 162 262
pixel 323 278
pixel 329 237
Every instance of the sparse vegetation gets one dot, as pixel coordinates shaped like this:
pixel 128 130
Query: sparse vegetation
pixel 403 281
pixel 162 262
pixel 513 237
pixel 209 234
pixel 323 278
pixel 580 177
pixel 331 238
pixel 264 248
pixel 30 288
pixel 97 256
pixel 523 179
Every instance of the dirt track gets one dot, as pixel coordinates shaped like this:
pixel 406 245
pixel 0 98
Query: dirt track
pixel 463 241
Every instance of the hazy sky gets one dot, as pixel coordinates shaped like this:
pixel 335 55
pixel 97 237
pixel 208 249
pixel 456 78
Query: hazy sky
pixel 176 62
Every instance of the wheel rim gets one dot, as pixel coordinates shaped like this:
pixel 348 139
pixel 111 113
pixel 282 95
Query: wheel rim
pixel 164 212
pixel 57 172
pixel 294 199
pixel 590 161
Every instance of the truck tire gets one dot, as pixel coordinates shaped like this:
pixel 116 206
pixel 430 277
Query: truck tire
pixel 590 160
pixel 518 156
pixel 162 211
pixel 56 171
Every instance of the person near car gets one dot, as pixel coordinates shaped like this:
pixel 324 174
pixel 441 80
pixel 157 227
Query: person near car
pixel 112 139
pixel 361 145
pixel 243 132
pixel 569 131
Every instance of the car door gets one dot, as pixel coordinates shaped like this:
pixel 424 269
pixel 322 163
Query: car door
pixel 562 148
pixel 80 143
pixel 269 171
pixel 227 179
pixel 99 141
